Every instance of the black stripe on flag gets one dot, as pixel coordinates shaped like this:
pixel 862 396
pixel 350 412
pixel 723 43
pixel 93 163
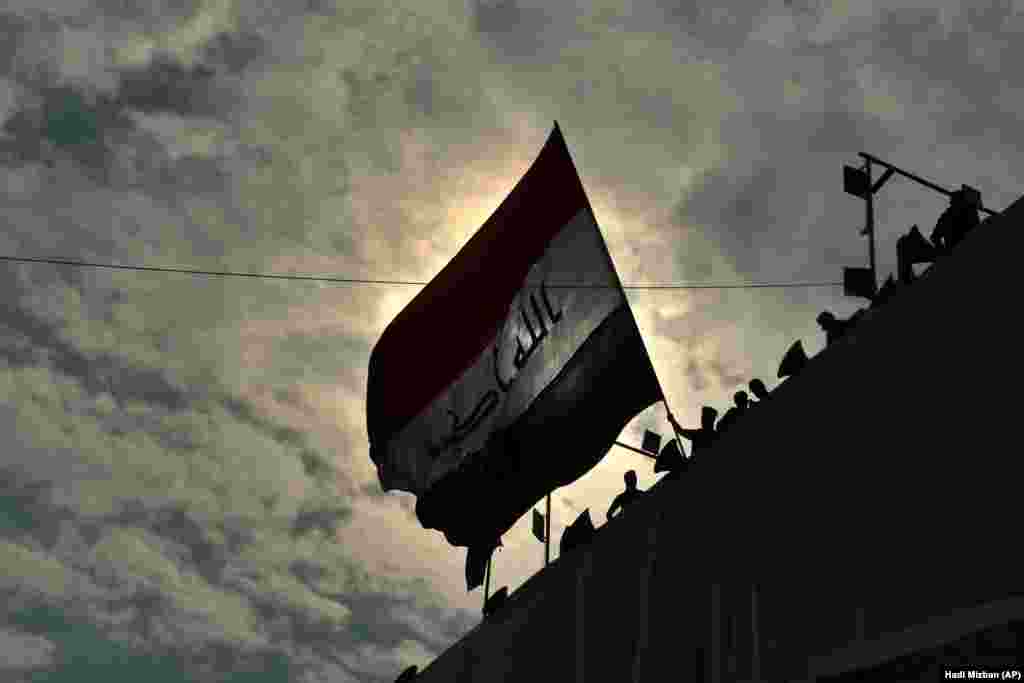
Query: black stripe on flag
pixel 565 432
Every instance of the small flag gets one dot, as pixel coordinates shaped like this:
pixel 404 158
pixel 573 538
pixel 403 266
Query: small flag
pixel 538 526
pixel 794 360
pixel 856 182
pixel 495 602
pixel 859 282
pixel 671 459
pixel 578 533
pixel 652 442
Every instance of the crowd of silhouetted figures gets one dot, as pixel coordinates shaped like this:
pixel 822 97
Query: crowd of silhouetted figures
pixel 955 223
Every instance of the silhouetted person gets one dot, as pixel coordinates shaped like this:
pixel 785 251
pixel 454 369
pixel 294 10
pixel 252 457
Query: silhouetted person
pixel 910 249
pixel 627 497
pixel 959 218
pixel 833 326
pixel 758 389
pixel 729 419
pixel 700 438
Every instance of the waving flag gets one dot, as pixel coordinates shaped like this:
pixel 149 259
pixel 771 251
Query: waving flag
pixel 514 370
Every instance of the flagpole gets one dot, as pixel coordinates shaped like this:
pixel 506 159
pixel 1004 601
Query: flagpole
pixel 669 412
pixel 487 580
pixel 547 531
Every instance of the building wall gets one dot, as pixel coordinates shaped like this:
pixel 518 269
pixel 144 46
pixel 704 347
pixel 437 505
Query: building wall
pixel 992 650
pixel 873 492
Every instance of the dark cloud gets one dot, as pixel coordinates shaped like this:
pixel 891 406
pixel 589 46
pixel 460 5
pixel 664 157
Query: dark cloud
pixel 12 27
pixel 27 47
pixel 315 464
pixel 953 72
pixel 520 30
pixel 135 625
pixel 39 469
pixel 97 130
pixel 26 340
pixel 307 571
pixel 365 102
pixel 990 17
pixel 244 411
pixel 722 26
pixel 765 210
pixel 208 557
pixel 150 15
pixel 85 651
pixel 166 86
pixel 99 136
pixel 66 122
pixel 26 509
pixel 750 211
pixel 235 51
pixel 422 93
pixel 326 520
pixel 387 620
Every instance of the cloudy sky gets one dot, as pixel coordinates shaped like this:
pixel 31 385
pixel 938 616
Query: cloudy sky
pixel 186 492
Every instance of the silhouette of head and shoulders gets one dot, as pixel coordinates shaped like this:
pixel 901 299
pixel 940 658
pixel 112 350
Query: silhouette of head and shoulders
pixel 959 218
pixel 759 390
pixel 708 415
pixel 834 327
pixel 912 249
pixel 702 437
pixel 627 497
pixel 741 401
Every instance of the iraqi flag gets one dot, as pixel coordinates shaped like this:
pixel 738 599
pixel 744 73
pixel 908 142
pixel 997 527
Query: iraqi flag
pixel 513 371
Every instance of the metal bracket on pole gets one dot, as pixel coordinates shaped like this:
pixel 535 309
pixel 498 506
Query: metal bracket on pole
pixel 883 180
pixel 857 182
pixel 890 169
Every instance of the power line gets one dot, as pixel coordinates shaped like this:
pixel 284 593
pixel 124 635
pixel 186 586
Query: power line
pixel 370 281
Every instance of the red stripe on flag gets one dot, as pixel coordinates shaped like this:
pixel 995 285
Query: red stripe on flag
pixel 454 318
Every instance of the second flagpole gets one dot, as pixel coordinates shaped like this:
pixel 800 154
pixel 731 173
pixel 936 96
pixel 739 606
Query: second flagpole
pixel 487 580
pixel 547 531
